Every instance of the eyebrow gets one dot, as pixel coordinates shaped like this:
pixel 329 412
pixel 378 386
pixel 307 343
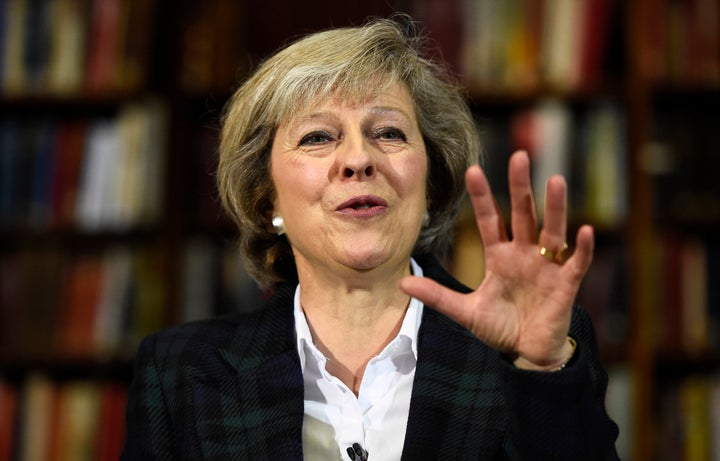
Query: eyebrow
pixel 386 109
pixel 312 116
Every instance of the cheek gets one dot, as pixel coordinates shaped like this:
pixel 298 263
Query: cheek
pixel 415 177
pixel 295 182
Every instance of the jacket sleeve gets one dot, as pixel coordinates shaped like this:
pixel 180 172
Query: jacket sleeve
pixel 561 415
pixel 149 430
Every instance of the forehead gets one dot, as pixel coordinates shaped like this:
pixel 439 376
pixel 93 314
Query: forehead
pixel 390 99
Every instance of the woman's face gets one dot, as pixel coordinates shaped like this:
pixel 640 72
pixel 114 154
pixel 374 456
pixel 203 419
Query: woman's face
pixel 350 182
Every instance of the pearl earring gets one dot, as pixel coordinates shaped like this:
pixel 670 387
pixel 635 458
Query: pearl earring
pixel 426 219
pixel 278 224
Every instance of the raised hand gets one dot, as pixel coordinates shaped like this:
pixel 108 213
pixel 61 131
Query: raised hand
pixel 524 304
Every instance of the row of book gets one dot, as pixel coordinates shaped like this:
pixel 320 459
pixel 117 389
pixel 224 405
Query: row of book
pixel 604 294
pixel 101 303
pixel 679 41
pixel 682 276
pixel 565 44
pixel 215 281
pixel 688 419
pixel 681 161
pixel 71 47
pixel 58 305
pixel 587 145
pixel 99 174
pixel 523 44
pixel 212 44
pixel 76 420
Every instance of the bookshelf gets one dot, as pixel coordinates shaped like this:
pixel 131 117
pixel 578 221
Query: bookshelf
pixel 110 226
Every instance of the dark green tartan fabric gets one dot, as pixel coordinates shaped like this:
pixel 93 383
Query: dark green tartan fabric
pixel 231 389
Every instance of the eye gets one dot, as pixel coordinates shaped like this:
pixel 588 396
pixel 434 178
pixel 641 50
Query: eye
pixel 390 134
pixel 315 138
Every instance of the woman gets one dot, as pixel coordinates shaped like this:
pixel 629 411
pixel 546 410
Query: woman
pixel 343 161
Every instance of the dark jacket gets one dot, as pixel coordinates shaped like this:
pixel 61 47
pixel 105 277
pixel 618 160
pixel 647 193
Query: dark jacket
pixel 232 388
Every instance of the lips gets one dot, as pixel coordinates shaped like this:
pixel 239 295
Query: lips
pixel 363 206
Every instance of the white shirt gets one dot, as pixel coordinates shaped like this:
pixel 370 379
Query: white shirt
pixel 377 418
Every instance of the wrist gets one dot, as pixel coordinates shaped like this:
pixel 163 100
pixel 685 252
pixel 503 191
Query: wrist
pixel 568 352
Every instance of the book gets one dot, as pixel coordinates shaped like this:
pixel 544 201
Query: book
pixel 695 418
pixel 44 144
pixel 207 213
pixel 523 21
pixel 561 43
pixel 479 58
pixel 3 28
pixel 652 36
pixel 8 415
pixel 149 303
pixel 604 153
pixel 39 394
pixel 713 293
pixel 136 31
pixel 200 275
pixel 597 17
pixel 79 307
pixel 95 206
pixel 69 155
pixel 103 61
pixel 552 126
pixel 694 307
pixel 618 395
pixel 603 294
pixel 36 314
pixel 670 301
pixel 468 255
pixel 9 168
pixel 114 301
pixel 11 299
pixel 68 43
pixel 238 291
pixel 213 53
pixel 14 75
pixel 443 20
pixel 37 44
pixel 144 150
pixel 705 30
pixel 79 421
pixel 110 432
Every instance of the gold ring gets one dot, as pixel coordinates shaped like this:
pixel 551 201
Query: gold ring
pixel 554 256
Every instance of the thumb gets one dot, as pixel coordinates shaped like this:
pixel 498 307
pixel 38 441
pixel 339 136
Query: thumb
pixel 434 295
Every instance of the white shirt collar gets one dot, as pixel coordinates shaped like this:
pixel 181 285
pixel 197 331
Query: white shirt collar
pixel 407 335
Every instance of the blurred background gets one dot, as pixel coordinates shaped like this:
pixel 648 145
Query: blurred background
pixel 110 226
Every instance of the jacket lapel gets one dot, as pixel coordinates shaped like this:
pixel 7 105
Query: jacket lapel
pixel 263 397
pixel 457 389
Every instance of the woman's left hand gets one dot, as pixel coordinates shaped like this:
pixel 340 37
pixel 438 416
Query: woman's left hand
pixel 524 304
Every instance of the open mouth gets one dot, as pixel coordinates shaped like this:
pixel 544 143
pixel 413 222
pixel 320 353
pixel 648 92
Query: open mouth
pixel 363 205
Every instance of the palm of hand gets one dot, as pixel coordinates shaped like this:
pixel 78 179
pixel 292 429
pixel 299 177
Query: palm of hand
pixel 524 304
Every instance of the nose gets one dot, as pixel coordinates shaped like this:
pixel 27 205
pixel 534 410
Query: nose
pixel 356 159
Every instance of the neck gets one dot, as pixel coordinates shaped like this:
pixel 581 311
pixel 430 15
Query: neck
pixel 353 319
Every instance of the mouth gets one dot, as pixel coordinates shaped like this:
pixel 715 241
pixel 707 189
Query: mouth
pixel 363 206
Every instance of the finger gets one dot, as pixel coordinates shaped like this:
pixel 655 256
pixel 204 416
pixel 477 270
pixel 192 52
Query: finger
pixel 434 295
pixel 579 263
pixel 523 216
pixel 554 232
pixel 487 213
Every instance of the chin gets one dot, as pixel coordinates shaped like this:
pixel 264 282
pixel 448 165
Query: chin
pixel 366 260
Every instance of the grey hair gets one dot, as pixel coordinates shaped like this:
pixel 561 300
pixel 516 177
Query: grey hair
pixel 352 63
